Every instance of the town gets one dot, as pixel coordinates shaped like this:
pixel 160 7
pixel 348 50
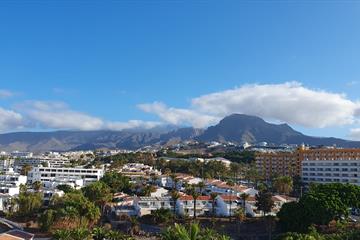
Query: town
pixel 179 120
pixel 222 186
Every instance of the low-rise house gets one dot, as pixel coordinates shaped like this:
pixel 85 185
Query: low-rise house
pixel 122 204
pixel 159 192
pixel 278 200
pixel 145 205
pixel 223 188
pixel 226 205
pixel 185 205
pixel 181 179
pixel 138 169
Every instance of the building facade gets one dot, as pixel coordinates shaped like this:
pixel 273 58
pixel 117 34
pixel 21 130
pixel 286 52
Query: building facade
pixel 331 165
pixel 278 163
pixel 313 165
pixel 48 174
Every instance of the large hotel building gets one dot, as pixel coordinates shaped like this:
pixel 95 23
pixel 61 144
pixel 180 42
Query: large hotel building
pixel 323 165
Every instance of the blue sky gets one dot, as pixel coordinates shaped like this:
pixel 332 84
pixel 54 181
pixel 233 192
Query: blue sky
pixel 70 64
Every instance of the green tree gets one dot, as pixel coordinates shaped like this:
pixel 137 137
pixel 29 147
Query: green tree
pixel 240 216
pixel 264 202
pixel 321 204
pixel 117 182
pixel 46 220
pixel 98 192
pixel 174 196
pixel 161 215
pixel 201 186
pixel 62 234
pixel 192 232
pixel 74 210
pixel 65 188
pixel 147 190
pixel 37 185
pixel 244 197
pixel 29 203
pixel 192 192
pixel 25 169
pixel 283 184
pixel 213 197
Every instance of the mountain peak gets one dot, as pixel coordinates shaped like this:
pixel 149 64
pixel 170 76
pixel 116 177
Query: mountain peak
pixel 241 127
pixel 239 117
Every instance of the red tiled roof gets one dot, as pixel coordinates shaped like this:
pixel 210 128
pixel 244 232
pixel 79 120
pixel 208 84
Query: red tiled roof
pixel 229 197
pixel 190 198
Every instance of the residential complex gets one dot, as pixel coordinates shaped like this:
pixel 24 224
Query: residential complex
pixel 331 165
pixel 278 163
pixel 48 174
pixel 320 165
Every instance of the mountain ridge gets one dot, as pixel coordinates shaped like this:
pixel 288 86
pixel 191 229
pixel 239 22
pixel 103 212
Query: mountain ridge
pixel 238 128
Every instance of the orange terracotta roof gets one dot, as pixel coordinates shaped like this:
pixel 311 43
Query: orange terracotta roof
pixel 190 198
pixel 8 237
pixel 229 197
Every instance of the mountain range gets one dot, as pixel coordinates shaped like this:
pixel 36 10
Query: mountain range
pixel 238 128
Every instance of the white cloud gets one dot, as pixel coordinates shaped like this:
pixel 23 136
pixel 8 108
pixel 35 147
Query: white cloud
pixel 132 124
pixel 10 120
pixel 178 116
pixel 288 102
pixel 58 115
pixel 6 93
pixel 354 134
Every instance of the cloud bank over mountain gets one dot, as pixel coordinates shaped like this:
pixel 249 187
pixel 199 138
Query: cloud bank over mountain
pixel 289 102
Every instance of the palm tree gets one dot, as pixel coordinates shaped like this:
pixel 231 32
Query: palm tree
pixel 283 184
pixel 135 227
pixel 62 234
pixel 201 186
pixel 98 233
pixel 80 234
pixel 23 188
pixel 153 178
pixel 174 179
pixel 175 196
pixel 213 197
pixel 244 197
pixel 148 189
pixel 192 232
pixel 25 169
pixel 37 185
pixel 240 217
pixel 192 192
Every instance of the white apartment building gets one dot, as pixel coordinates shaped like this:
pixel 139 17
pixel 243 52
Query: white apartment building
pixel 49 174
pixel 340 170
pixel 28 161
pixel 6 163
pixel 72 182
pixel 50 162
pixel 18 154
pixel 10 182
pixel 13 178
